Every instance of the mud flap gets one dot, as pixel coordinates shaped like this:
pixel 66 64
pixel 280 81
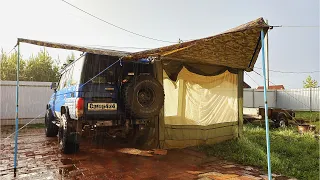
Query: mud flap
pixel 152 140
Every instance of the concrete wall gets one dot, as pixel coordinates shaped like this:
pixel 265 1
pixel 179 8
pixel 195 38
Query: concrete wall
pixel 33 97
pixel 306 99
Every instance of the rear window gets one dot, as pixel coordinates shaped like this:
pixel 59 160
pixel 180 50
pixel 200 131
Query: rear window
pixel 97 63
pixel 76 71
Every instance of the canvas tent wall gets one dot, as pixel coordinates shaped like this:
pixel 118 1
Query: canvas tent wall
pixel 200 109
pixel 203 82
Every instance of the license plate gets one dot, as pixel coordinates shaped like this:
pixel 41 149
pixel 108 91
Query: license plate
pixel 102 106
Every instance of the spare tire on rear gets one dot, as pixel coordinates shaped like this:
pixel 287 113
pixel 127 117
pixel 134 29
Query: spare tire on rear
pixel 144 97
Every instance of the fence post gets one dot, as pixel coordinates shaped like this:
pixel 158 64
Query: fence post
pixel 253 98
pixel 310 99
pixel 276 105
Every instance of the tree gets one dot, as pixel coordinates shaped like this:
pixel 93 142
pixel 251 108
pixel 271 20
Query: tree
pixel 37 68
pixel 8 67
pixel 69 60
pixel 42 68
pixel 310 83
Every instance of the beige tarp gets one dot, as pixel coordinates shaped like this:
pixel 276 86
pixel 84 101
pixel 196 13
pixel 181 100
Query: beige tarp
pixel 200 109
pixel 200 100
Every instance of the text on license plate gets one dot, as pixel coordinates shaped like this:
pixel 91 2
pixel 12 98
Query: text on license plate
pixel 102 106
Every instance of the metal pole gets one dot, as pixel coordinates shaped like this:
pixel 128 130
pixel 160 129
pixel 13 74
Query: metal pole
pixel 266 105
pixel 17 118
pixel 267 59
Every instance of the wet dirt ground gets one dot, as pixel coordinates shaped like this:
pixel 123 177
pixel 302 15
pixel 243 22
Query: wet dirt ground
pixel 39 157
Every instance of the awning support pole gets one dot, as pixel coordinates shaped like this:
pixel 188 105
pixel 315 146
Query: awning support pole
pixel 266 104
pixel 17 118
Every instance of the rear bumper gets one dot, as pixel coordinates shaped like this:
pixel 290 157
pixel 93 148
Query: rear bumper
pixel 108 123
pixel 102 116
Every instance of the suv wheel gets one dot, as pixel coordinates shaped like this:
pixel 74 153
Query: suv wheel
pixel 144 97
pixel 66 145
pixel 51 129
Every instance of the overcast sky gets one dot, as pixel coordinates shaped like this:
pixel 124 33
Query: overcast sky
pixel 291 49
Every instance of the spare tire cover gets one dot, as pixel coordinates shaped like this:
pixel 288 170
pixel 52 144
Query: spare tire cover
pixel 144 97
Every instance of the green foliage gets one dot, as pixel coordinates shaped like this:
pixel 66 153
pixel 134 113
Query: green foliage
pixel 292 154
pixel 69 60
pixel 312 118
pixel 42 68
pixel 8 67
pixel 310 83
pixel 37 68
pixel 307 115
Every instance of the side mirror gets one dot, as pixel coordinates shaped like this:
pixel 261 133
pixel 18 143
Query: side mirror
pixel 54 86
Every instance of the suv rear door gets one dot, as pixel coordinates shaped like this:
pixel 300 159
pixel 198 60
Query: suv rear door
pixel 101 91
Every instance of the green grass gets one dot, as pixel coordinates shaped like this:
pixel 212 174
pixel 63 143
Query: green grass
pixel 307 115
pixel 292 154
pixel 36 126
pixel 312 118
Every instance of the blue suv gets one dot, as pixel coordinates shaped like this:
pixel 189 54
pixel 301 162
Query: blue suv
pixel 101 93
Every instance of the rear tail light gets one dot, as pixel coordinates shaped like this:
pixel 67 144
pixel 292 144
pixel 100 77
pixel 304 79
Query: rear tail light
pixel 79 107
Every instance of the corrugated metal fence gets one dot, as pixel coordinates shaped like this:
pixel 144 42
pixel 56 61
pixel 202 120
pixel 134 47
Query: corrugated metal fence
pixel 306 99
pixel 33 97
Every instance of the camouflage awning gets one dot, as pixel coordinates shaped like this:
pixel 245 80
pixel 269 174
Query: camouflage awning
pixel 236 48
pixel 108 52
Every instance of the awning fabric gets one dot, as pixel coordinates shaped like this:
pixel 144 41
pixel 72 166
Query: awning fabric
pixel 173 68
pixel 236 48
pixel 75 47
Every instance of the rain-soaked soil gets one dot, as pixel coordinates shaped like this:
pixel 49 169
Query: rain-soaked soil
pixel 40 158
